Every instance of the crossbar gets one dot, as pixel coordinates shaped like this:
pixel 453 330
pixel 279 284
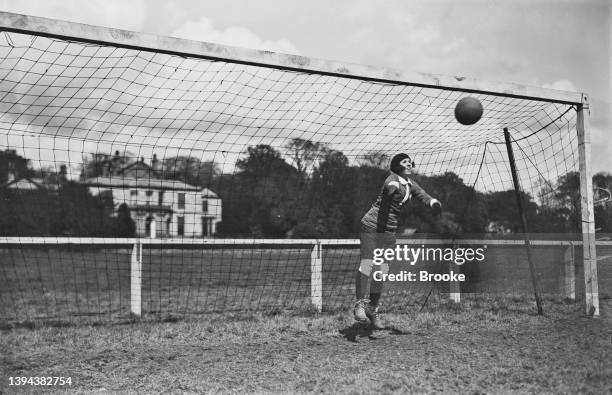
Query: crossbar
pixel 25 24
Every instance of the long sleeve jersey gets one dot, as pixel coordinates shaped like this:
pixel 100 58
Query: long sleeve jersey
pixel 395 192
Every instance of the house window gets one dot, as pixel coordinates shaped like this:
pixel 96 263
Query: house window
pixel 148 225
pixel 133 193
pixel 205 206
pixel 106 197
pixel 160 198
pixel 149 193
pixel 181 200
pixel 180 221
pixel 205 227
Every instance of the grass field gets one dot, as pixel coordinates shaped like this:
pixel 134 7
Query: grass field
pixel 484 345
pixel 240 321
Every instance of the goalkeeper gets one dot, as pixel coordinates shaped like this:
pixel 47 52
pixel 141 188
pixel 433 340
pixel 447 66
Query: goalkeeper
pixel 378 227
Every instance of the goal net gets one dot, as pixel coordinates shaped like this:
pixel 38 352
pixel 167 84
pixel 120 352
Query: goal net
pixel 110 138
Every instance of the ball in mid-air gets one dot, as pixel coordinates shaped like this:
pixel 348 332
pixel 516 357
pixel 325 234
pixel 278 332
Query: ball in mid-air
pixel 468 111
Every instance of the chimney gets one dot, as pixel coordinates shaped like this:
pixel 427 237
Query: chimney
pixel 63 174
pixel 155 163
pixel 10 177
pixel 115 164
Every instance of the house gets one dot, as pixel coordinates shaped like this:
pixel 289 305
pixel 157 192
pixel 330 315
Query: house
pixel 166 208
pixel 49 183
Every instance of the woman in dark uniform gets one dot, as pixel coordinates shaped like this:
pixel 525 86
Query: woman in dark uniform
pixel 378 230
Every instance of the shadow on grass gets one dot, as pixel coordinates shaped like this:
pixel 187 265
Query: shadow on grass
pixel 364 330
pixel 357 330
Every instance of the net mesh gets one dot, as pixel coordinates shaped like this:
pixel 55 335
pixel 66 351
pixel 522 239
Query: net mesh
pixel 107 141
pixel 62 100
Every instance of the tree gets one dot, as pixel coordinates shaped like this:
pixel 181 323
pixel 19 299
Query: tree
pixel 50 175
pixel 72 211
pixel 25 213
pixel 332 169
pixel 77 213
pixel 603 180
pixel 47 173
pixel 13 164
pixel 545 192
pixel 568 196
pixel 375 159
pixel 559 211
pixel 603 219
pixel 304 154
pixel 262 160
pixel 100 164
pixel 603 212
pixel 190 170
pixel 466 208
pixel 263 198
pixel 503 209
pixel 332 192
pixel 125 226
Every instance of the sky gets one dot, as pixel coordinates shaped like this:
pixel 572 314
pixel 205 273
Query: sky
pixel 560 44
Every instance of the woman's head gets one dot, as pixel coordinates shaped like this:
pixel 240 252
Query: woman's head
pixel 402 164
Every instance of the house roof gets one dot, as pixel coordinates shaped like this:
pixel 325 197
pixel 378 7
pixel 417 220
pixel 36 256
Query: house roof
pixel 130 182
pixel 208 193
pixel 52 185
pixel 145 183
pixel 23 184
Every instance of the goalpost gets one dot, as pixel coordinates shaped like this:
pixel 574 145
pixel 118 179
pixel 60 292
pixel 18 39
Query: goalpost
pixel 176 135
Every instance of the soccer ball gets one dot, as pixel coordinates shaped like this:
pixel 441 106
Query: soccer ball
pixel 468 111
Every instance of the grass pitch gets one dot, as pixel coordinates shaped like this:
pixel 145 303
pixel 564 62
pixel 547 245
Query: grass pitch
pixel 484 345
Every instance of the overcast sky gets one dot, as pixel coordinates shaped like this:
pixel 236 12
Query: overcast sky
pixel 557 44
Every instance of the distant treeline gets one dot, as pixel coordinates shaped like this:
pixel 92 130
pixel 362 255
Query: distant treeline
pixel 305 190
pixel 326 197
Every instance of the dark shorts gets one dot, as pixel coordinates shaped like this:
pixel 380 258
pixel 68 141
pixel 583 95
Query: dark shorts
pixel 370 240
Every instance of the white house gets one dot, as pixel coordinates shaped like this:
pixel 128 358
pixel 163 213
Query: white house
pixel 172 208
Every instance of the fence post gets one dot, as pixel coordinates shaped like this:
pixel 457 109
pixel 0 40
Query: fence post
pixel 455 286
pixel 136 279
pixel 316 278
pixel 569 278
